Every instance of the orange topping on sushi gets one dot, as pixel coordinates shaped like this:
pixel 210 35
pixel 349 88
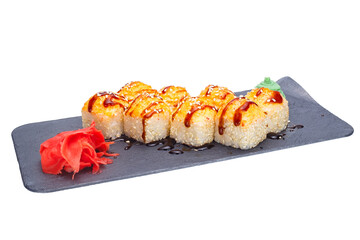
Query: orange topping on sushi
pixel 145 106
pixel 216 95
pixel 235 110
pixel 131 90
pixel 189 106
pixel 265 95
pixel 144 102
pixel 173 95
pixel 105 102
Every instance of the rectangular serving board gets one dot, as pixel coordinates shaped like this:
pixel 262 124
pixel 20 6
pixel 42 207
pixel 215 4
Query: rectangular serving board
pixel 319 125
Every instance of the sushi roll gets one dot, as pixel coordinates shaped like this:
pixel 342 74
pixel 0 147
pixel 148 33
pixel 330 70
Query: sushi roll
pixel 106 109
pixel 173 96
pixel 147 118
pixel 274 105
pixel 193 122
pixel 131 90
pixel 217 96
pixel 240 123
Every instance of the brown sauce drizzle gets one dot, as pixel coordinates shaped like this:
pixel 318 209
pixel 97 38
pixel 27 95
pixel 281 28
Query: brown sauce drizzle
pixel 174 101
pixel 148 91
pixel 276 97
pixel 282 134
pixel 177 90
pixel 107 102
pixel 259 92
pixel 223 97
pixel 148 107
pixel 196 149
pixel 237 117
pixel 292 128
pixel 129 141
pixel 128 112
pixel 210 89
pixel 237 114
pixel 146 116
pixel 165 89
pixel 176 151
pixel 242 108
pixel 221 120
pixel 178 108
pixel 180 100
pixel 169 144
pixel 91 102
pixel 275 136
pixel 193 109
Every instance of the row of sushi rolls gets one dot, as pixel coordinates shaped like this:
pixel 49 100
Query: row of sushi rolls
pixel 216 114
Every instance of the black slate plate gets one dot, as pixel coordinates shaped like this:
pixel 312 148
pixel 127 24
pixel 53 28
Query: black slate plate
pixel 319 125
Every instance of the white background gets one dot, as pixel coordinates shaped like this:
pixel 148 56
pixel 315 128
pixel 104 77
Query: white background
pixel 55 54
